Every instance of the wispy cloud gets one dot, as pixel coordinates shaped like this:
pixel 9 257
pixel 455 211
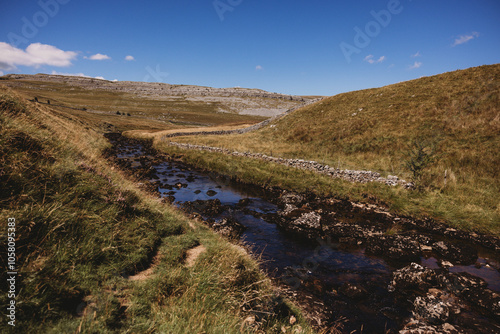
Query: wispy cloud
pixel 465 38
pixel 416 55
pixel 35 55
pixel 415 65
pixel 76 75
pixel 370 59
pixel 1 73
pixel 259 68
pixel 129 58
pixel 98 56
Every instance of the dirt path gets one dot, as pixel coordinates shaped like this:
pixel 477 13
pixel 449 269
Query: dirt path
pixel 193 254
pixel 147 273
pixel 228 129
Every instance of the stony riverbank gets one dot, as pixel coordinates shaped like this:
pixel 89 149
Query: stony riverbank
pixel 437 279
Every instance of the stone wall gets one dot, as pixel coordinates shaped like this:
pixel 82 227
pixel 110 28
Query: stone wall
pixel 345 174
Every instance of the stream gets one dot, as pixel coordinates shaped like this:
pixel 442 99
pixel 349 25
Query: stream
pixel 345 281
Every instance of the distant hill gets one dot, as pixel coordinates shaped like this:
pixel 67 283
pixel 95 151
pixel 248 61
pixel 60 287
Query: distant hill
pixel 234 100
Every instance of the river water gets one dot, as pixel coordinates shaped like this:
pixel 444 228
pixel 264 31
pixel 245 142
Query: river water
pixel 350 283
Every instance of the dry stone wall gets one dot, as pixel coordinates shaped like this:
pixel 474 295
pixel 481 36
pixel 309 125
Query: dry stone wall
pixel 345 174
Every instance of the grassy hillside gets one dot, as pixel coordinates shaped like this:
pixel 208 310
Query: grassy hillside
pixel 137 110
pixel 457 113
pixel 82 227
pixel 127 111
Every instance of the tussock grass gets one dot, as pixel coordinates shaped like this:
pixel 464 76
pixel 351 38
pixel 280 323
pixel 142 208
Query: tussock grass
pixel 83 227
pixel 374 129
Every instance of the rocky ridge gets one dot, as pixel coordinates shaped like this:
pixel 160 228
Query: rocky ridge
pixel 154 88
pixel 442 301
pixel 235 99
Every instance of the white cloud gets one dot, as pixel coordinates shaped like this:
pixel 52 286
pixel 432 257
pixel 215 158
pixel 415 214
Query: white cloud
pixel 98 56
pixel 465 38
pixel 35 55
pixel 370 59
pixel 76 75
pixel 416 55
pixel 259 68
pixel 129 58
pixel 415 65
pixel 1 73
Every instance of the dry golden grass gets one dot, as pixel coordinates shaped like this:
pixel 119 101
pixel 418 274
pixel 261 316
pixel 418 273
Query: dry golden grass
pixel 146 113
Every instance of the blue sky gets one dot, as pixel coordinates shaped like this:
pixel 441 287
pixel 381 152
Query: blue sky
pixel 292 47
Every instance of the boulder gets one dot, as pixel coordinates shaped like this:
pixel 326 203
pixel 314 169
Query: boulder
pixel 291 198
pixel 457 254
pixel 415 326
pixel 394 247
pixel 210 207
pixel 437 307
pixel 413 277
pixel 228 227
pixel 353 291
pixel 307 224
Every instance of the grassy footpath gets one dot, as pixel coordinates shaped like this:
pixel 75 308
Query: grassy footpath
pixel 457 113
pixel 82 227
